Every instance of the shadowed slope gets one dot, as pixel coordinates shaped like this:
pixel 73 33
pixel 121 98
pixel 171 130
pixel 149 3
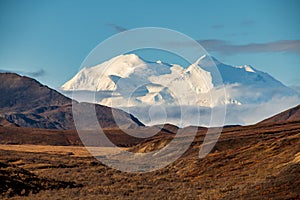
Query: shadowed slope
pixel 27 103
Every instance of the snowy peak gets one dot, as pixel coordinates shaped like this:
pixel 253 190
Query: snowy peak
pixel 139 82
pixel 125 72
pixel 207 61
pixel 224 74
pixel 127 60
pixel 122 65
pixel 129 82
pixel 247 68
pixel 100 76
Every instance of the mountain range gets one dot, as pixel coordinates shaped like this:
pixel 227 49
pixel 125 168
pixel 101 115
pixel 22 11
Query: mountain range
pixel 28 108
pixel 248 162
pixel 158 92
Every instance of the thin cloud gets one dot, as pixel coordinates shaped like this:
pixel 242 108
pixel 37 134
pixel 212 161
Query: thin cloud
pixel 296 88
pixel 217 26
pixel 38 73
pixel 224 47
pixel 117 27
pixel 247 22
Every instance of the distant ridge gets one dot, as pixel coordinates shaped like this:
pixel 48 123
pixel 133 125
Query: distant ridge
pixel 292 114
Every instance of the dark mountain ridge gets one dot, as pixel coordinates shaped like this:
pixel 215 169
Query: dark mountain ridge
pixel 21 93
pixel 27 103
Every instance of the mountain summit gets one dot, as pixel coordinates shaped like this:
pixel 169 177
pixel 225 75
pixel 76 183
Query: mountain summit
pixel 131 83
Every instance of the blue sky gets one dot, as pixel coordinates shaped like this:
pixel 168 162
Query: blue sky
pixel 48 40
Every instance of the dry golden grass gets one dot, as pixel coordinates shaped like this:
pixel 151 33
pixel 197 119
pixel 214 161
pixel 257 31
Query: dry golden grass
pixel 254 162
pixel 63 150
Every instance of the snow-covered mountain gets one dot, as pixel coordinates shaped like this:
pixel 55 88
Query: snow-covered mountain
pixel 135 85
pixel 130 81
